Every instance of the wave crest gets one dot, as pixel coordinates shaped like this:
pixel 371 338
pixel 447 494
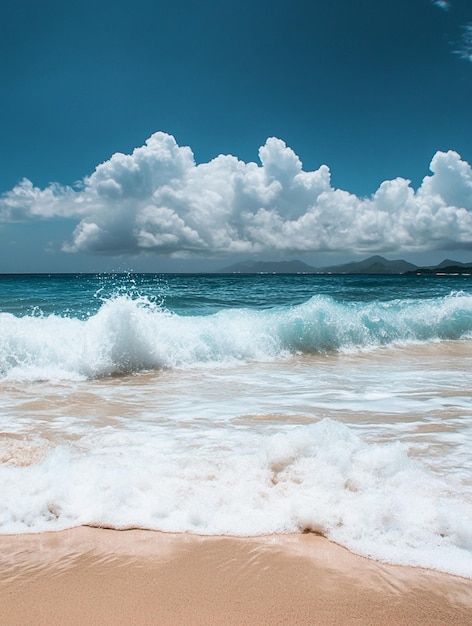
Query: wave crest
pixel 132 334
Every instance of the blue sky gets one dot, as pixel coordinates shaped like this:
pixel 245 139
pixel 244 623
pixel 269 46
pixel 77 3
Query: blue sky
pixel 373 90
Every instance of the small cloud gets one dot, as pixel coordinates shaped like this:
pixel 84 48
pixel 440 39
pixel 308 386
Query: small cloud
pixel 442 4
pixel 465 46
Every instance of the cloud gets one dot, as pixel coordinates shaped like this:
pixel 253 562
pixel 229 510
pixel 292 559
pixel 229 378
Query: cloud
pixel 157 199
pixel 464 49
pixel 25 201
pixel 442 4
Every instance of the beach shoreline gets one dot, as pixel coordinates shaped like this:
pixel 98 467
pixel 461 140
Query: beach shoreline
pixel 98 576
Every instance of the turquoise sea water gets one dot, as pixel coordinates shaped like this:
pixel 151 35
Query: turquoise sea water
pixel 79 295
pixel 242 404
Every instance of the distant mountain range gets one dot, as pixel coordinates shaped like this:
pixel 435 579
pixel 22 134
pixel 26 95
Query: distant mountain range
pixel 445 267
pixel 373 265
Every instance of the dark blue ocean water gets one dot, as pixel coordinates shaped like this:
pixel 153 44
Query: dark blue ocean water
pixel 82 295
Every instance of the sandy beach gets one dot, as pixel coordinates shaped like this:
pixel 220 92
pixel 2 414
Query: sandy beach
pixel 98 576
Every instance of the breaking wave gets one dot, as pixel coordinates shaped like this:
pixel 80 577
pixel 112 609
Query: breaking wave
pixel 134 334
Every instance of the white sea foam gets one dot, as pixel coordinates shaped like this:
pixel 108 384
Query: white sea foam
pixel 370 497
pixel 128 335
pixel 215 423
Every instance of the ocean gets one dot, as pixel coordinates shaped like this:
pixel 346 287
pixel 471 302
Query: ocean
pixel 242 405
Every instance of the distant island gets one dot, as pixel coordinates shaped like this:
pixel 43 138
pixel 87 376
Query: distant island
pixel 372 265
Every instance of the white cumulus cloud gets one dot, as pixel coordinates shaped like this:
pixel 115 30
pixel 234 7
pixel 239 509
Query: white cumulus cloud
pixel 157 199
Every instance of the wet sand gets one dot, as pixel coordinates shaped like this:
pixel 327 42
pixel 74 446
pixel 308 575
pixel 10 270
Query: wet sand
pixel 96 576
